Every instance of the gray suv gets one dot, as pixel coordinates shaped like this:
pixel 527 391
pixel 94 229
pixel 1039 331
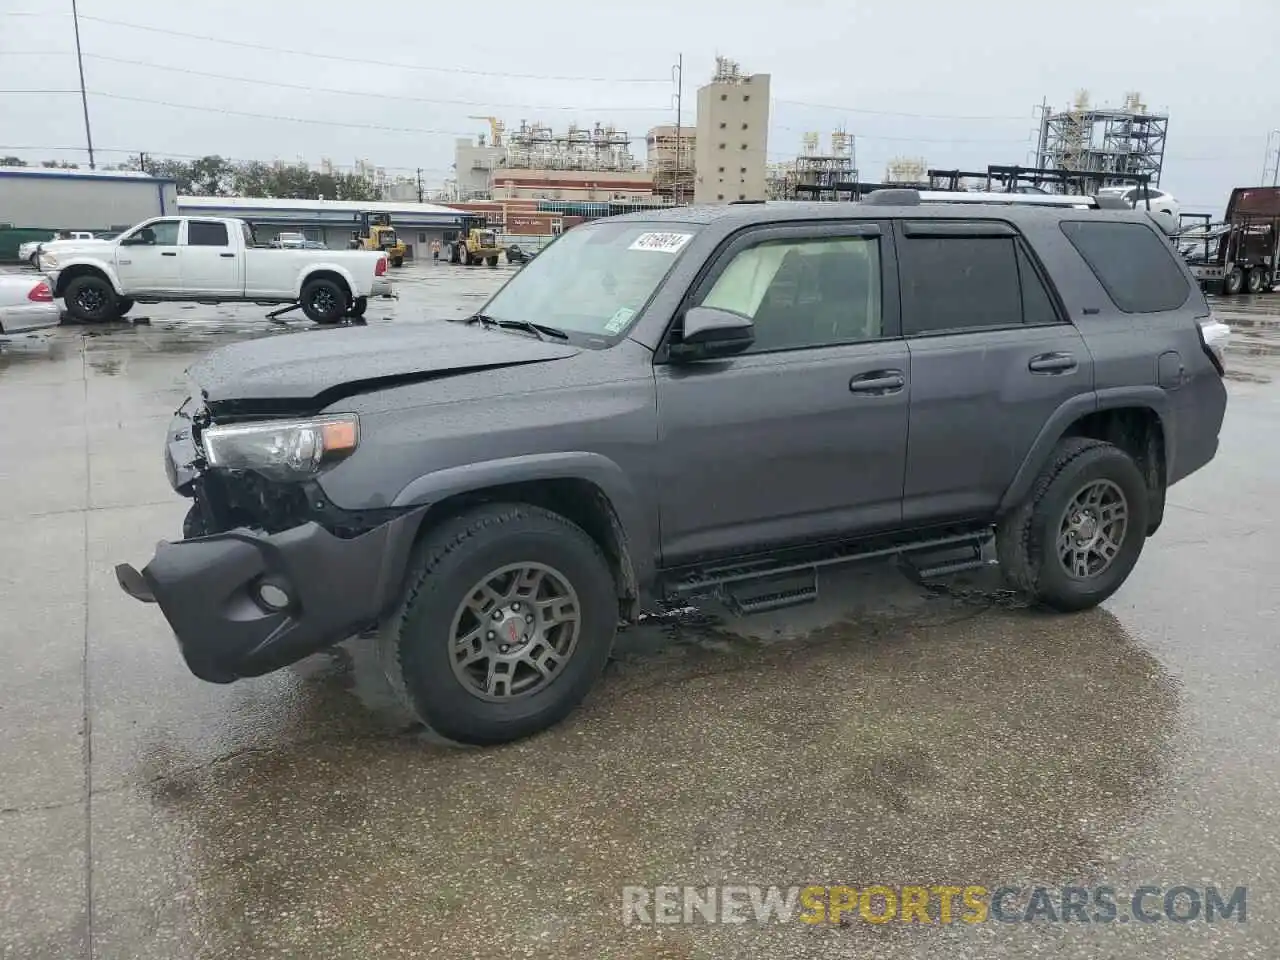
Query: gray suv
pixel 674 404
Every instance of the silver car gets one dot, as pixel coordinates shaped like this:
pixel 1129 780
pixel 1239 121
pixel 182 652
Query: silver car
pixel 26 303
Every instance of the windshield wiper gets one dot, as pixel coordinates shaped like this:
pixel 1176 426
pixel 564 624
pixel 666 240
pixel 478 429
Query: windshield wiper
pixel 539 330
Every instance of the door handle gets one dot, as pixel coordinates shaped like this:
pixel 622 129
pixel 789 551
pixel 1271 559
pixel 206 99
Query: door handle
pixel 227 255
pixel 878 383
pixel 168 253
pixel 1052 363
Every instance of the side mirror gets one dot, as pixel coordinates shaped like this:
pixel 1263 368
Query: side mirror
pixel 709 332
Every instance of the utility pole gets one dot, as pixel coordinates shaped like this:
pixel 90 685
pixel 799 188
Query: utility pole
pixel 419 184
pixel 675 189
pixel 84 97
pixel 1271 161
pixel 142 162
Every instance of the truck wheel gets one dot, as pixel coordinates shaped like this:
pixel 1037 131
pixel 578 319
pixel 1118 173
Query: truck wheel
pixel 1253 280
pixel 34 260
pixel 1078 534
pixel 397 261
pixel 492 261
pixel 358 307
pixel 324 300
pixel 123 305
pixel 91 299
pixel 1233 282
pixel 507 621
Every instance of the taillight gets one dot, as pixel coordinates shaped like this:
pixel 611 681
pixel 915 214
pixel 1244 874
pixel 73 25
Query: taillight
pixel 381 269
pixel 1214 355
pixel 41 293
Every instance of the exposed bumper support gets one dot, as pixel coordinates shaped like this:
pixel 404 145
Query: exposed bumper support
pixel 244 603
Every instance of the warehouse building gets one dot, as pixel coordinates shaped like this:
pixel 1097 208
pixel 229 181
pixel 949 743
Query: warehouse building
pixel 35 202
pixel 331 222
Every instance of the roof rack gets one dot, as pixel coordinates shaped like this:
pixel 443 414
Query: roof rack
pixel 908 197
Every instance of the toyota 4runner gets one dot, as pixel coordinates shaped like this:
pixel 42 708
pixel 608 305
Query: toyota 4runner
pixel 698 401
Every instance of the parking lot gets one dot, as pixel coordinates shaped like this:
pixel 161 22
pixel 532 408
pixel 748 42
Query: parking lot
pixel 887 735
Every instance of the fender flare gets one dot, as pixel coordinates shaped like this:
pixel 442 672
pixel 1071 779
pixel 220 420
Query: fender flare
pixel 105 269
pixel 320 267
pixel 1151 397
pixel 631 528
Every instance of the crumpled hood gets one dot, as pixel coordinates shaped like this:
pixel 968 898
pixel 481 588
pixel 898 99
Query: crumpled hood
pixel 312 369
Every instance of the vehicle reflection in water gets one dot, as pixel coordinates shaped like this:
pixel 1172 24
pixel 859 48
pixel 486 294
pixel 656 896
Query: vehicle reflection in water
pixel 979 747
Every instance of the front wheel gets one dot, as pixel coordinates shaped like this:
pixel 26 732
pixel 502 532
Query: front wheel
pixel 1233 282
pixel 124 305
pixel 507 621
pixel 492 261
pixel 91 299
pixel 1076 538
pixel 323 300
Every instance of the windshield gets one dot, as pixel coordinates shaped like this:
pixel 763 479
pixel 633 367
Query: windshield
pixel 593 279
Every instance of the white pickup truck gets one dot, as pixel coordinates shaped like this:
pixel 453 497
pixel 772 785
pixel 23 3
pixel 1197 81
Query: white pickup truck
pixel 209 260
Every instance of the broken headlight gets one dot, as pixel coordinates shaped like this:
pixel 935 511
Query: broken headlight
pixel 283 450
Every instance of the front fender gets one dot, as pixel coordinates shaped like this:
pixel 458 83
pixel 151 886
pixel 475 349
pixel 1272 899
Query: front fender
pixel 635 534
pixel 65 273
pixel 1151 397
pixel 328 267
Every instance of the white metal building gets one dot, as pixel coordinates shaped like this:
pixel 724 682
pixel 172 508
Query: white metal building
pixel 97 200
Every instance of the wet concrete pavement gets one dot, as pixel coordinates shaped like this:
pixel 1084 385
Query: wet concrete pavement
pixel 886 735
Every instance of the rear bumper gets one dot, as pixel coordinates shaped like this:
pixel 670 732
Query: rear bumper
pixel 34 316
pixel 326 589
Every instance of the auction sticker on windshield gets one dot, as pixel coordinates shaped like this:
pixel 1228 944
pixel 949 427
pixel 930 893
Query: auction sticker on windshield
pixel 661 242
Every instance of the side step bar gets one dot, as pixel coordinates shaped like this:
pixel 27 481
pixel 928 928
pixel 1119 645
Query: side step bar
pixel 773 584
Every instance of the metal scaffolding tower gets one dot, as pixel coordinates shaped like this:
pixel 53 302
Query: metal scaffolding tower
pixel 1126 143
pixel 536 146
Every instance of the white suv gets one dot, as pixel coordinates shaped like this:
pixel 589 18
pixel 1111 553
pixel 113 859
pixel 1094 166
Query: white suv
pixel 1163 205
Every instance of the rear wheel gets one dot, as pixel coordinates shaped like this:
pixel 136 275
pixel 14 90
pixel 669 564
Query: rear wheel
pixel 1077 536
pixel 358 308
pixel 124 305
pixel 492 261
pixel 1233 282
pixel 324 300
pixel 507 621
pixel 397 261
pixel 90 299
pixel 1253 280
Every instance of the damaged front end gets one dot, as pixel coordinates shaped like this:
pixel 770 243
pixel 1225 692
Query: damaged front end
pixel 269 570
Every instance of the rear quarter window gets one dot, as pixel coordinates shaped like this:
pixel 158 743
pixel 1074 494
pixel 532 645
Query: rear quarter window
pixel 1134 265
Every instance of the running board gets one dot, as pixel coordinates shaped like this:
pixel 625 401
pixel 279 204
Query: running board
pixel 772 593
pixel 723 579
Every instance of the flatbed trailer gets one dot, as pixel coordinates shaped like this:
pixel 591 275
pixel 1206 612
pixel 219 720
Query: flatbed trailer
pixel 1241 252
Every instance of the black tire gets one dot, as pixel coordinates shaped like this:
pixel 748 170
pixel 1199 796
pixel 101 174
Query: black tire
pixel 324 300
pixel 454 558
pixel 34 260
pixel 1027 539
pixel 1253 280
pixel 1233 282
pixel 492 261
pixel 193 524
pixel 123 305
pixel 358 307
pixel 91 299
pixel 397 261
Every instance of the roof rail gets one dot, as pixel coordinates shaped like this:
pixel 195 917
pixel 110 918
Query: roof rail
pixel 894 197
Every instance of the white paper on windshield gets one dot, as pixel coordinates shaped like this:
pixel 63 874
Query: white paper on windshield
pixel 661 242
pixel 619 320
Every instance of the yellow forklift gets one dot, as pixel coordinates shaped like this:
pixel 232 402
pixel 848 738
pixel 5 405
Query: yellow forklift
pixel 377 233
pixel 472 244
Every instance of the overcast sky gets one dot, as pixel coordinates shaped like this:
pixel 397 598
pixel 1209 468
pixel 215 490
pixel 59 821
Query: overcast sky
pixel 951 83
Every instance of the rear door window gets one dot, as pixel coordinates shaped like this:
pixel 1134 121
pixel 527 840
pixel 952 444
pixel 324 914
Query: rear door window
pixel 206 233
pixel 1134 265
pixel 959 283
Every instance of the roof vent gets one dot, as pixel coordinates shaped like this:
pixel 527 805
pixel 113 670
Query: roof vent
pixel 897 197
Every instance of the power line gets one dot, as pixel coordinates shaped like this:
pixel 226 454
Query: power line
pixel 896 113
pixel 363 93
pixel 286 119
pixel 249 45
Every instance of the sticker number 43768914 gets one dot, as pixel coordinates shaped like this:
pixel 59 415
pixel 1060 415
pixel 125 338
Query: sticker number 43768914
pixel 661 242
